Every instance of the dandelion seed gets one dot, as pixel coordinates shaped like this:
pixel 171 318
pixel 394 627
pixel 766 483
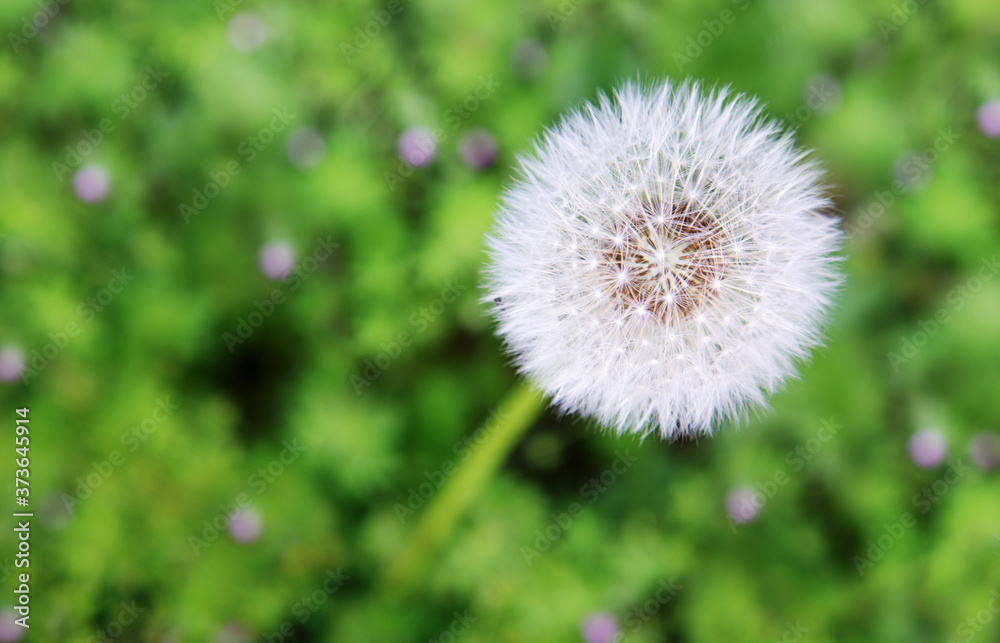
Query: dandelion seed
pixel 701 266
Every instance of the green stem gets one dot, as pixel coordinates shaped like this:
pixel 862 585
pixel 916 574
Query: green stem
pixel 518 412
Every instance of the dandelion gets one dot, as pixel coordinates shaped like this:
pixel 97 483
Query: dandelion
pixel 663 260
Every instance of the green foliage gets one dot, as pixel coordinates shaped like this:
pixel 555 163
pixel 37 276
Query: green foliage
pixel 904 70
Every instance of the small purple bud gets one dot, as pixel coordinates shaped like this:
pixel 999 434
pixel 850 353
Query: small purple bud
pixel 245 32
pixel 233 633
pixel 91 183
pixel 528 58
pixel 743 504
pixel 989 118
pixel 306 147
pixel 276 260
pixel 928 448
pixel 245 525
pixel 984 450
pixel 9 630
pixel 53 511
pixel 478 149
pixel 599 628
pixel 11 363
pixel 417 146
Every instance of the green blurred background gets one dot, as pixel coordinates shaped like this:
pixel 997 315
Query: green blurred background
pixel 149 424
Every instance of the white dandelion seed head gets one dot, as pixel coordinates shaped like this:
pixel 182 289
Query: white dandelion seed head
pixel 663 260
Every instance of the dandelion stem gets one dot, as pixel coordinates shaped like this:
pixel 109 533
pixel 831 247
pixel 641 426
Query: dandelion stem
pixel 517 412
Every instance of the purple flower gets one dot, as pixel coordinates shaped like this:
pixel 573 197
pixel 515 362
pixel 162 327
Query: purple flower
pixel 478 149
pixel 276 260
pixel 599 627
pixel 91 183
pixel 306 147
pixel 245 525
pixel 928 448
pixel 989 118
pixel 417 146
pixel 529 58
pixel 984 450
pixel 9 630
pixel 743 504
pixel 245 32
pixel 11 363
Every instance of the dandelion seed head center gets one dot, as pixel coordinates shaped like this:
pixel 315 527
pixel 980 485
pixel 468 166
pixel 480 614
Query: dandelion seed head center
pixel 665 259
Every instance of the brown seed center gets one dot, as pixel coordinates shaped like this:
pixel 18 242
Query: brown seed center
pixel 665 260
